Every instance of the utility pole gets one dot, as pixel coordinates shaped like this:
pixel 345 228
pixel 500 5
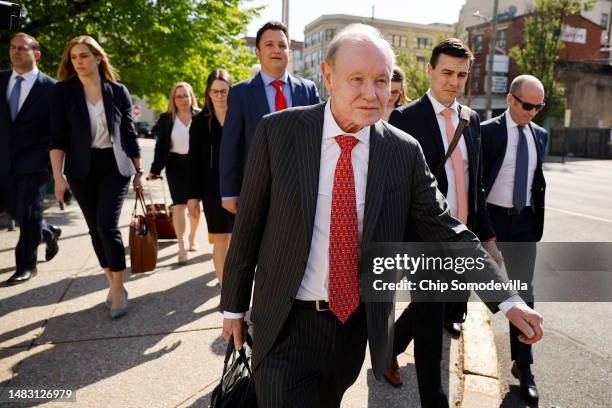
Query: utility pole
pixel 492 41
pixel 286 13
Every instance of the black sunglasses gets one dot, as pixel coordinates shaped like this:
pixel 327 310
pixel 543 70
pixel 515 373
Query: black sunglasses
pixel 529 106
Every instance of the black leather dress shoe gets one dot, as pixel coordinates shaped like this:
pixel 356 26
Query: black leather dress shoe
pixel 453 328
pixel 21 276
pixel 52 245
pixel 529 391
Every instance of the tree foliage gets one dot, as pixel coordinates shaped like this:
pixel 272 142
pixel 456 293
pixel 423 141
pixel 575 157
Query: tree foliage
pixel 540 50
pixel 153 43
pixel 417 82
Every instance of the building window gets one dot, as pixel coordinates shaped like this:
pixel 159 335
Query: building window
pixel 297 55
pixel 424 42
pixel 501 39
pixel 404 42
pixel 329 34
pixel 475 78
pixel 398 41
pixel 420 60
pixel 477 44
pixel 604 20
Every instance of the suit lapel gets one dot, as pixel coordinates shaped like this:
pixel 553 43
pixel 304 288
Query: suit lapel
pixel 308 138
pixel 81 103
pixel 107 97
pixel 260 101
pixel 32 96
pixel 295 100
pixel 377 174
pixel 432 122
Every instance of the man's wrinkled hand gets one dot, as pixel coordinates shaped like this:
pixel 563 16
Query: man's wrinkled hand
pixel 527 321
pixel 236 328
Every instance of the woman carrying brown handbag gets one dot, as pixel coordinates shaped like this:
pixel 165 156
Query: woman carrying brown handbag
pixel 171 150
pixel 204 142
pixel 93 142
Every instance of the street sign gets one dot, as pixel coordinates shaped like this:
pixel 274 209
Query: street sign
pixel 573 35
pixel 500 84
pixel 567 118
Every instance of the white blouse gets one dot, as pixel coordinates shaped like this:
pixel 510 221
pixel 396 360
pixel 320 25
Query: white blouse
pixel 179 137
pixel 99 128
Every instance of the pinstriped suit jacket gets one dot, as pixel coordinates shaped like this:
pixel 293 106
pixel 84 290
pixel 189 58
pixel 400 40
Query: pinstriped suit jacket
pixel 275 221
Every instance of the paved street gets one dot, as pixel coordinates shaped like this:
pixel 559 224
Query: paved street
pixel 573 363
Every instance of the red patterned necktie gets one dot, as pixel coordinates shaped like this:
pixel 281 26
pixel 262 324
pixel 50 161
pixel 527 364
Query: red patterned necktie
pixel 279 100
pixel 343 236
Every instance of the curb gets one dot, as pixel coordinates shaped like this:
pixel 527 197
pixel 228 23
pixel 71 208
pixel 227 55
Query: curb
pixel 480 368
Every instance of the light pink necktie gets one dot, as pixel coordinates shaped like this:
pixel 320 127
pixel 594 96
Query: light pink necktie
pixel 457 162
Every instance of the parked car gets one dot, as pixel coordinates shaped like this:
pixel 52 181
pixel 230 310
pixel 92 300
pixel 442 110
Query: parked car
pixel 144 130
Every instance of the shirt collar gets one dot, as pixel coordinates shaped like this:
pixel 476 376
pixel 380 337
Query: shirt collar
pixel 267 79
pixel 438 107
pixel 28 76
pixel 331 128
pixel 509 121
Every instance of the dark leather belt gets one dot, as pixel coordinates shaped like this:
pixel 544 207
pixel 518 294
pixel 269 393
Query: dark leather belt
pixel 510 211
pixel 318 305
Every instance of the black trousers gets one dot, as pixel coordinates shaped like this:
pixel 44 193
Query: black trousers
pixel 516 237
pixel 314 360
pixel 422 321
pixel 22 195
pixel 100 196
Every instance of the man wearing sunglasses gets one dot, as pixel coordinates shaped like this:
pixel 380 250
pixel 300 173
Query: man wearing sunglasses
pixel 512 150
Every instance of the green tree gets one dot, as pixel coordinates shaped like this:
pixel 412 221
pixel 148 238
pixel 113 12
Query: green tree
pixel 153 43
pixel 540 50
pixel 417 82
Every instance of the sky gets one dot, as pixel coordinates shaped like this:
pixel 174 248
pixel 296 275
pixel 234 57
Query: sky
pixel 302 12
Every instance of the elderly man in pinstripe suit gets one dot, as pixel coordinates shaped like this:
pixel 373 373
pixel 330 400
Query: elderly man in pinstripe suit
pixel 320 182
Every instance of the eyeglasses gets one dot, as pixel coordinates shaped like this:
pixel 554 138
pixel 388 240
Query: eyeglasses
pixel 218 92
pixel 529 106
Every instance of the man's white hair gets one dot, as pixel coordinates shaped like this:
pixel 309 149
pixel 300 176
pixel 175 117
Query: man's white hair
pixel 359 33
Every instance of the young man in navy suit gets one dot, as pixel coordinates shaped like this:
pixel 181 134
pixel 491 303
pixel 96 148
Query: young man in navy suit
pixel 24 156
pixel 432 120
pixel 513 149
pixel 271 90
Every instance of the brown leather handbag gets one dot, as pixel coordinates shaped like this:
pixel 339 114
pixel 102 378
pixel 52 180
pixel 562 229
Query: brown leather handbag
pixel 163 215
pixel 143 238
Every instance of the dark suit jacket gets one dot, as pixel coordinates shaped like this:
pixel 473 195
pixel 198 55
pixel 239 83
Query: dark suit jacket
pixel 274 226
pixel 247 104
pixel 204 155
pixel 419 120
pixel 71 129
pixel 24 143
pixel 494 142
pixel 163 131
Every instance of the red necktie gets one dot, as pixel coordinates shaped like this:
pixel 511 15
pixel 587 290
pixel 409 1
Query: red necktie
pixel 279 100
pixel 343 236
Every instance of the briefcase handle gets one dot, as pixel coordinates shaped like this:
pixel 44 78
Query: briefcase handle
pixel 160 178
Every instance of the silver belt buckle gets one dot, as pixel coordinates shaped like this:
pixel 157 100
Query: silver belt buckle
pixel 319 308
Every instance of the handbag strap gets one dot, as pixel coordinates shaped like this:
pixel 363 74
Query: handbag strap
pixel 161 179
pixel 464 121
pixel 139 199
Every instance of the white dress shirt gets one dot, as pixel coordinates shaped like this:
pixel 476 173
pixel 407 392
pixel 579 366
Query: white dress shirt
pixel 99 128
pixel 29 78
pixel 179 138
pixel 315 281
pixel 451 194
pixel 503 187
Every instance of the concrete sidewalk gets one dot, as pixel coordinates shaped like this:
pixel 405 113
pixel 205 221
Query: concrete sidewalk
pixel 167 352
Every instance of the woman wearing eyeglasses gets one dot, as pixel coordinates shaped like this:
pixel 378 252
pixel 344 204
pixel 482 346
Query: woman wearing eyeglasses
pixel 171 149
pixel 398 95
pixel 204 142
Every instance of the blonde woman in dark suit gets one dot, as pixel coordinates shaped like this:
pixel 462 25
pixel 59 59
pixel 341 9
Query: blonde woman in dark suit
pixel 171 152
pixel 93 142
